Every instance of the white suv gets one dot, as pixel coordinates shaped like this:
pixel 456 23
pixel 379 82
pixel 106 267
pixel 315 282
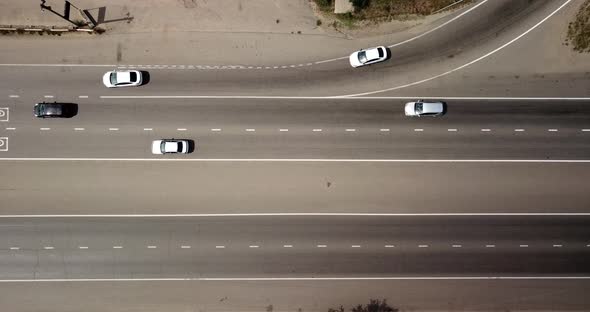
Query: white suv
pixel 421 108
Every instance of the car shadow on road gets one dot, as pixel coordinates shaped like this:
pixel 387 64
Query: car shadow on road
pixel 191 146
pixel 145 77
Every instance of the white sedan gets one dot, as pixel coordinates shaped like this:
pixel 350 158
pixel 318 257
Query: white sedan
pixel 122 78
pixel 368 56
pixel 170 146
pixel 421 108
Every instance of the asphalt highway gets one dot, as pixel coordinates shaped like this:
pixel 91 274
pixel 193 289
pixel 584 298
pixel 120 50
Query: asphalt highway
pixel 304 128
pixel 294 247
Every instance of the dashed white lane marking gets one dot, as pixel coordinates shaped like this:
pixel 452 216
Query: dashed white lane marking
pixel 14 248
pixel 322 246
pixel 148 129
pixel 418 130
pixel 11 128
pixel 283 130
pixel 152 247
pixel 14 96
pixel 384 130
pixel 181 129
pixel 250 130
pixel 389 246
pixel 355 246
pixel 452 130
pixel 490 246
pixel 82 247
pixel 117 247
pixel 350 130
pixel 44 129
pixel 79 129
pixel 552 130
pixel 113 129
pixel 486 130
pixel 588 245
pixel 185 246
pixel 254 246
pixel 457 246
pixel 48 96
pixel 422 246
pixel 220 247
pixel 48 248
pixel 519 130
pixel 317 130
pixel 287 246
pixel 83 96
pixel 557 245
pixel 215 130
pixel 523 246
pixel 585 130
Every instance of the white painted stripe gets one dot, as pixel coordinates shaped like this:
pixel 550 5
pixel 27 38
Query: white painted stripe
pixel 220 247
pixel 288 246
pixel 11 128
pixel 485 130
pixel 250 130
pixel 13 96
pixel 345 97
pixel 253 246
pixel 83 96
pixel 48 248
pixel 263 279
pixel 552 130
pixel 557 245
pixel 113 129
pixel 216 129
pixel 586 130
pixel 185 247
pixel 14 248
pixel 181 129
pixel 457 246
pixel 317 130
pixel 422 246
pixel 148 129
pixel 322 246
pixel 469 63
pixel 117 247
pixel 588 245
pixel 389 246
pixel 384 130
pixel 283 130
pixel 48 96
pixel 152 247
pixel 490 246
pixel 350 130
pixel 418 130
pixel 44 129
pixel 83 247
pixel 524 246
pixel 519 130
pixel 79 129
pixel 355 246
pixel 452 130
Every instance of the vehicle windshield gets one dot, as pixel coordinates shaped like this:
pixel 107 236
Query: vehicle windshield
pixel 133 76
pixel 163 146
pixel 419 108
pixel 179 147
pixel 113 78
pixel 362 57
pixel 380 52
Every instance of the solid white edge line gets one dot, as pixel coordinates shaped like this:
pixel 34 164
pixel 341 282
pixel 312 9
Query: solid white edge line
pixel 264 279
pixel 307 214
pixel 303 160
pixel 343 97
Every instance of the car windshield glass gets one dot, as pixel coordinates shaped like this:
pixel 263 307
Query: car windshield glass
pixel 419 108
pixel 362 57
pixel 380 52
pixel 133 76
pixel 179 147
pixel 163 146
pixel 113 78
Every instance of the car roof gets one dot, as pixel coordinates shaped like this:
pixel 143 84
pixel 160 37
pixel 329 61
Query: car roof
pixel 123 76
pixel 372 54
pixel 171 146
pixel 432 107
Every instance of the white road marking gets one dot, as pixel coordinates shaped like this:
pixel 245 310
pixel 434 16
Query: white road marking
pixel 113 129
pixel 117 247
pixel 422 246
pixel 557 246
pixel 389 246
pixel 152 247
pixel 215 130
pixel 14 248
pixel 82 247
pixel 343 97
pixel 355 246
pixel 552 130
pixel 518 130
pixel 322 246
pixel 588 245
pixel 4 114
pixel 467 64
pixel 585 130
pixel 78 129
pixel 253 246
pixel 83 96
pixel 250 130
pixel 524 246
pixel 287 246
pixel 317 130
pixel 181 129
pixel 48 96
pixel 305 214
pixel 11 128
pixel 13 96
pixel 220 247
pixel 263 279
pixel 490 246
pixel 350 130
pixel 452 130
pixel 48 248
pixel 148 129
pixel 44 129
pixel 185 247
pixel 384 130
pixel 283 130
pixel 418 130
pixel 457 246
pixel 486 130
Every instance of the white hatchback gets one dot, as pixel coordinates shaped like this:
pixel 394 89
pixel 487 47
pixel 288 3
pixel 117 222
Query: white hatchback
pixel 368 56
pixel 122 78
pixel 170 146
pixel 421 108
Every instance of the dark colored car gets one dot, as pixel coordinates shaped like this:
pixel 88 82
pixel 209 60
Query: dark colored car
pixel 55 110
